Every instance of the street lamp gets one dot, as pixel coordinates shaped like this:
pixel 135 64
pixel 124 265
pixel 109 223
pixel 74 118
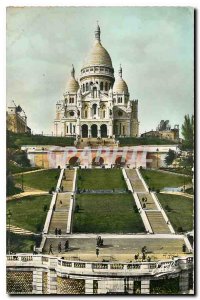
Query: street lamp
pixel 157 150
pixel 9 215
pixel 22 181
pixel 184 181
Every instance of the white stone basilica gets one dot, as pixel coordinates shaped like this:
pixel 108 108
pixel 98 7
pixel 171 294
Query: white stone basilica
pixel 97 105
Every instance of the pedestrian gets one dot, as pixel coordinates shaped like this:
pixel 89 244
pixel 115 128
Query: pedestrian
pixel 66 245
pixel 136 256
pixel 144 205
pixel 50 249
pixel 56 231
pixel 60 202
pixel 59 231
pixel 148 258
pixel 97 251
pixel 54 207
pixel 149 190
pixel 184 248
pixel 62 188
pixel 59 247
pixel 143 256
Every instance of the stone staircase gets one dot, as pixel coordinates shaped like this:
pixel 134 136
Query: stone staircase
pixel 135 181
pixel 59 217
pixel 158 223
pixel 94 142
pixel 153 212
pixel 150 204
pixel 67 181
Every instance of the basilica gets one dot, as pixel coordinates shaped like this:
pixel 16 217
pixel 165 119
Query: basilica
pixel 98 104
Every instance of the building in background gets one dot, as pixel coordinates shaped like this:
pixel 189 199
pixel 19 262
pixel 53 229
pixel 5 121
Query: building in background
pixel 164 131
pixel 16 119
pixel 98 104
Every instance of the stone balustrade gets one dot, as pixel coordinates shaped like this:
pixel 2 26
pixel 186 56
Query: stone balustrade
pixel 120 268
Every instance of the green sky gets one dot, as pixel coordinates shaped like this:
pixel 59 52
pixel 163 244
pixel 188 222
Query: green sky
pixel 154 46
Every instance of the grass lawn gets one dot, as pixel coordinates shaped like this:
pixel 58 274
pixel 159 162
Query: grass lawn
pixel 99 179
pixel 158 180
pixel 43 180
pixel 28 212
pixel 179 210
pixel 106 213
pixel 23 243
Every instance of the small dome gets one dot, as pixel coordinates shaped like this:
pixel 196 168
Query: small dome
pixel 72 84
pixel 98 56
pixel 120 85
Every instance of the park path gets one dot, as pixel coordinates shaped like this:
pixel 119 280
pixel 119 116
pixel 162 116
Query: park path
pixel 25 194
pixel 28 172
pixel 179 194
pixel 19 230
pixel 172 173
pixel 61 209
pixel 148 202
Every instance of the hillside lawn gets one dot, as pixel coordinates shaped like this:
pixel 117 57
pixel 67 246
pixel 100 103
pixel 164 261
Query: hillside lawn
pixel 106 214
pixel 179 211
pixel 100 179
pixel 158 180
pixel 43 180
pixel 28 213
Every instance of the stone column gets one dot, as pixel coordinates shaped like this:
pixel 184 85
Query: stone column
pixel 88 286
pixel 145 286
pixel 184 282
pixel 37 281
pixel 52 282
pixel 89 131
pixel 98 131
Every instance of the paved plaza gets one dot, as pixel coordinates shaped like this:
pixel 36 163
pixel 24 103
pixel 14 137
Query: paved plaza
pixel 117 248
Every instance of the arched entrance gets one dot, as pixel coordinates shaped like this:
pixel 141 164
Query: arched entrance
pixel 84 129
pixel 97 161
pixel 94 130
pixel 74 161
pixel 103 131
pixel 120 161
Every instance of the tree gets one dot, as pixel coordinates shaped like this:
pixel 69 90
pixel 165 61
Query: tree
pixel 187 131
pixel 171 155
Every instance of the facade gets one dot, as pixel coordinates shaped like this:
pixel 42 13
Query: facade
pixel 16 120
pixel 98 104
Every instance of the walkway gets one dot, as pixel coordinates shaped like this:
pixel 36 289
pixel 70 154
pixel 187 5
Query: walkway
pixel 27 172
pixel 153 212
pixel 25 194
pixel 19 230
pixel 117 248
pixel 60 215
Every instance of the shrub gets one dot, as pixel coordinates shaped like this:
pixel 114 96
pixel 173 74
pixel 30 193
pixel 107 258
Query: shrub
pixel 158 191
pixel 180 229
pixel 45 207
pixel 168 208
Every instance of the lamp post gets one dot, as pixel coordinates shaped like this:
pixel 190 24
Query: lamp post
pixel 22 181
pixel 157 150
pixel 9 215
pixel 184 181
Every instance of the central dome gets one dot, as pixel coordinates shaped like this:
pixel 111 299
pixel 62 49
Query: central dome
pixel 98 56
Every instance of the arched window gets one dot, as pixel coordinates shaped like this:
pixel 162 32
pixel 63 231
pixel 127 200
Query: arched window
pixel 101 86
pixel 106 86
pixel 83 88
pixel 86 86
